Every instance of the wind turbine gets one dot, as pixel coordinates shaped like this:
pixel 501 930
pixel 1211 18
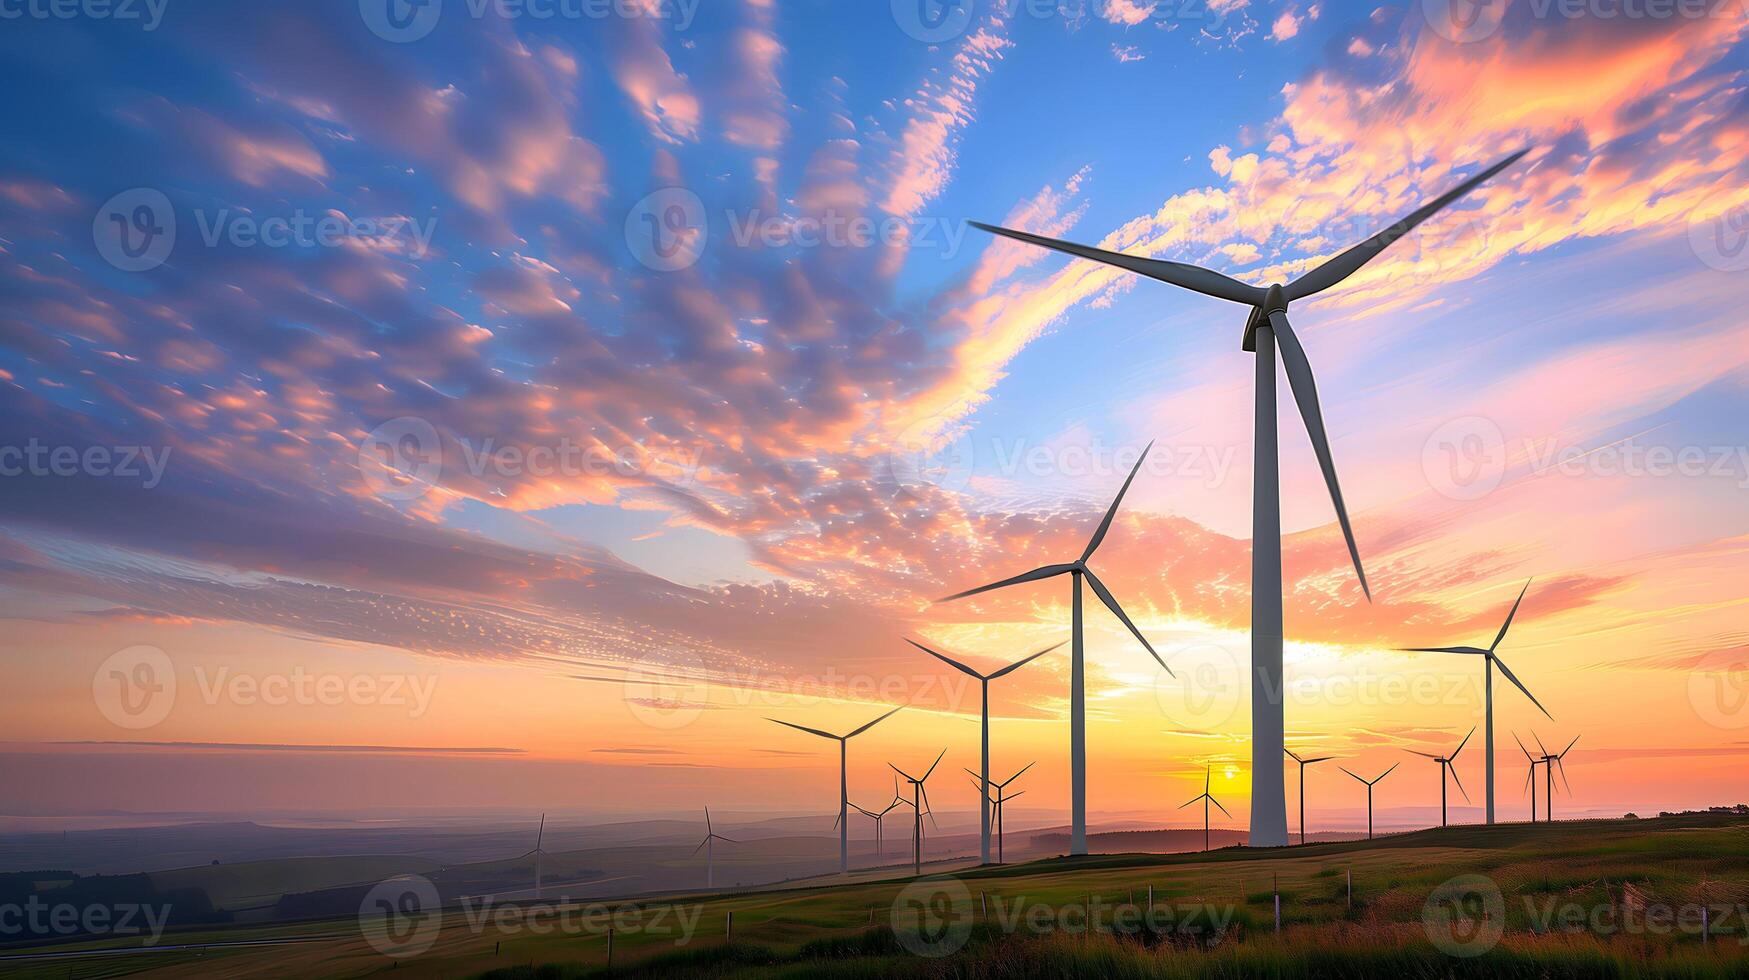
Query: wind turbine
pixel 538 853
pixel 1206 800
pixel 1303 764
pixel 878 816
pixel 1369 786
pixel 1267 328
pixel 1077 570
pixel 1445 766
pixel 843 778
pixel 1530 779
pixel 1490 660
pixel 708 847
pixel 919 804
pixel 1550 764
pixel 984 686
pixel 1001 797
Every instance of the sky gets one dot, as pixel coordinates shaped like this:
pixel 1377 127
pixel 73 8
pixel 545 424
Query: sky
pixel 516 404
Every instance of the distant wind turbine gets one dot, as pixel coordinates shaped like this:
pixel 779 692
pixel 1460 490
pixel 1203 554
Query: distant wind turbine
pixel 1529 779
pixel 919 804
pixel 710 852
pixel 1001 798
pixel 1077 570
pixel 1551 762
pixel 843 778
pixel 984 686
pixel 1206 799
pixel 1303 764
pixel 1445 766
pixel 878 816
pixel 1266 329
pixel 538 853
pixel 1490 660
pixel 1369 786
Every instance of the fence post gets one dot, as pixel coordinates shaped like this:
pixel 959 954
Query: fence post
pixel 729 928
pixel 1350 874
pixel 1277 883
pixel 610 947
pixel 984 903
pixel 1150 902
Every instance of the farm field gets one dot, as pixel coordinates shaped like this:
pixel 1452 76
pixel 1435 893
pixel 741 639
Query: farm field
pixel 1582 898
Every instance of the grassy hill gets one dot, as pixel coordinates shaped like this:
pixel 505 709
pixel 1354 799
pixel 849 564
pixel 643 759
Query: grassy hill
pixel 1573 899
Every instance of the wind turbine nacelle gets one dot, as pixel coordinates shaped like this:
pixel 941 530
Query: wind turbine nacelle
pixel 1272 301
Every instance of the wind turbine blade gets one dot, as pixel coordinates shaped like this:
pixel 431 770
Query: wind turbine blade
pixel 1017 775
pixel 1218 806
pixel 1561 767
pixel 835 818
pixel 1463 743
pixel 1441 650
pixel 1521 747
pixel 971 773
pixel 1180 806
pixel 932 765
pixel 1106 597
pixel 1005 799
pixel 928 807
pixel 1022 663
pixel 1459 782
pixel 1387 772
pixel 1349 262
pixel 700 846
pixel 955 664
pixel 804 728
pixel 1322 758
pixel 1105 525
pixel 730 840
pixel 1044 572
pixel 1508 624
pixel 1207 774
pixel 1345 769
pixel 1530 774
pixel 1428 755
pixel 877 721
pixel 707 822
pixel 1540 745
pixel 1195 278
pixel 1520 685
pixel 900 772
pixel 1290 754
pixel 1569 748
pixel 1305 388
